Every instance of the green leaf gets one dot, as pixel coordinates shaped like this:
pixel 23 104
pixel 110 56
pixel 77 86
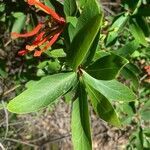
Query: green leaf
pixel 2 7
pixel 117 26
pixel 111 38
pixel 107 67
pixel 126 112
pixel 129 75
pixel 72 20
pixel 91 9
pixel 119 22
pixel 103 107
pixel 144 25
pixel 128 48
pixel 135 69
pixel 49 4
pixel 137 32
pixel 145 112
pixel 100 54
pixel 81 135
pixel 91 53
pixel 42 93
pixel 57 53
pixel 83 41
pixel 19 23
pixel 70 7
pixel 81 3
pixel 31 84
pixel 111 89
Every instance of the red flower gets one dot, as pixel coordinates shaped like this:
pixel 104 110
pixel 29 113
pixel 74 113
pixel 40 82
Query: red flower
pixel 46 33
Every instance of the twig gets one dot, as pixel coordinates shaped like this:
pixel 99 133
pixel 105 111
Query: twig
pixel 2 147
pixel 21 142
pixel 58 139
pixel 8 42
pixel 110 4
pixel 7 92
pixel 143 77
pixel 68 136
pixel 38 139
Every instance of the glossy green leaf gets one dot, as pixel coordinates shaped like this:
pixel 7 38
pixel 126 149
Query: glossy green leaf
pixel 103 107
pixel 70 7
pixel 42 93
pixel 91 9
pixel 83 41
pixel 81 135
pixel 20 19
pixel 111 89
pixel 84 33
pixel 107 67
pixel 91 53
pixel 137 32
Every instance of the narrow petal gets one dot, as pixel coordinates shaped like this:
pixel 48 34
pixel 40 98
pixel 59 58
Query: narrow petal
pixel 22 52
pixel 52 41
pixel 37 53
pixel 49 44
pixel 146 67
pixel 37 42
pixel 31 33
pixel 39 38
pixel 47 10
pixel 32 47
pixel 32 2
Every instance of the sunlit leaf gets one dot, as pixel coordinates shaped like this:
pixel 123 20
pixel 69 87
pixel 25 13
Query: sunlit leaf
pixel 80 125
pixel 42 93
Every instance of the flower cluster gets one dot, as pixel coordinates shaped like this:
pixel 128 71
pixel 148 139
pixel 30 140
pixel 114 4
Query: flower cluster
pixel 46 34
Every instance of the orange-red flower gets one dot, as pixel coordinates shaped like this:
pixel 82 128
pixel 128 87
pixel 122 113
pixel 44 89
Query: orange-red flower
pixel 46 33
pixel 147 69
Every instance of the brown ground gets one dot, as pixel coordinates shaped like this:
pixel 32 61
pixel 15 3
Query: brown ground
pixel 51 131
